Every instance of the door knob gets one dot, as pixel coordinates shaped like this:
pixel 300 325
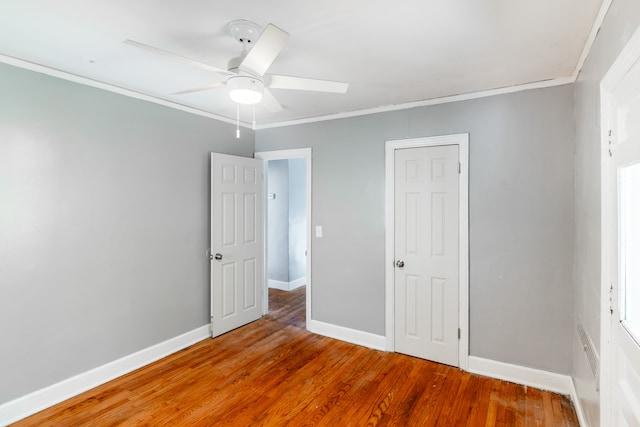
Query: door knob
pixel 399 263
pixel 218 256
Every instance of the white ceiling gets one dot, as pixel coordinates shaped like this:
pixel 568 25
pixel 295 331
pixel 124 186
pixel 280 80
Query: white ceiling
pixel 389 52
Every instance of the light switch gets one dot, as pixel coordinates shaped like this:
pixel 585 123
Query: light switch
pixel 318 231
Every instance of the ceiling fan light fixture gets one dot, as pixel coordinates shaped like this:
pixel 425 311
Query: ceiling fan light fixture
pixel 245 89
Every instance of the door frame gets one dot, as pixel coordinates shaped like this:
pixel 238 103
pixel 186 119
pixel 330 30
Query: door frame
pixel 625 60
pixel 462 141
pixel 298 153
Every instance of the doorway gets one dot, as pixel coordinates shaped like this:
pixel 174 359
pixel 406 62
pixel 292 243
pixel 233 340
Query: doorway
pixel 427 248
pixel 620 179
pixel 287 226
pixel 286 223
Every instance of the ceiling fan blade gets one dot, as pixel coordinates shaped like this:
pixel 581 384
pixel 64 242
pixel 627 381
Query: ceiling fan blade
pixel 176 56
pixel 275 81
pixel 199 89
pixel 264 52
pixel 270 102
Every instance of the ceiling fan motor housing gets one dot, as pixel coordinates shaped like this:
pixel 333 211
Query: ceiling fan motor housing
pixel 245 89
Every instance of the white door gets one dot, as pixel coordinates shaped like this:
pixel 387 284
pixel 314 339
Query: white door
pixel 624 179
pixel 426 252
pixel 236 242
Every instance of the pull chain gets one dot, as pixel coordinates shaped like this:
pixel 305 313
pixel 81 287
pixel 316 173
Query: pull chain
pixel 254 115
pixel 238 121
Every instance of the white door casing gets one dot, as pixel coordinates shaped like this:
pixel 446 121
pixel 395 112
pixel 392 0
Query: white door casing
pixel 620 359
pixel 236 242
pixel 427 178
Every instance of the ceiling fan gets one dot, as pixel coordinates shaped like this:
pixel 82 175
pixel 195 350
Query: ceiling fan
pixel 247 80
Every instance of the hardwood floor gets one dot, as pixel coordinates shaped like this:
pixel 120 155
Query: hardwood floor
pixel 275 373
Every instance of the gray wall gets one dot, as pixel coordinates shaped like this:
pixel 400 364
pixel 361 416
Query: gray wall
pixel 104 213
pixel 620 23
pixel 278 221
pixel 297 218
pixel 286 220
pixel 104 218
pixel 521 218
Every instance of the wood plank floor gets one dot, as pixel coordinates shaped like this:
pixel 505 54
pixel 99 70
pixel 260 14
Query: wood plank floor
pixel 275 373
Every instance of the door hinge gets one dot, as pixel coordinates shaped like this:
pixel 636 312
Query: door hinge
pixel 459 167
pixel 611 299
pixel 610 142
pixel 459 333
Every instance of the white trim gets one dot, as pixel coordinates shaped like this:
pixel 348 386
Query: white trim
pixel 627 57
pixel 307 154
pixel 278 284
pixel 462 140
pixel 295 284
pixel 427 102
pixel 602 13
pixel 577 405
pixel 294 153
pixel 38 400
pixel 171 104
pixel 544 380
pixel 537 378
pixel 112 88
pixel 287 286
pixel 353 336
pixel 606 367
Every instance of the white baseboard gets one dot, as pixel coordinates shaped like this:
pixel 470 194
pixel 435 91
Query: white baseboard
pixel 366 339
pixel 297 283
pixel 287 286
pixel 537 378
pixel 38 400
pixel 31 403
pixel 577 405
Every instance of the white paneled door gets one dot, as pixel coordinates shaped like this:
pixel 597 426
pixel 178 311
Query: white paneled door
pixel 426 287
pixel 236 242
pixel 624 179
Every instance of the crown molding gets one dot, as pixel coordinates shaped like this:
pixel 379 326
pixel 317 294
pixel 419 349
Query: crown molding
pixel 602 13
pixel 382 109
pixel 428 102
pixel 32 66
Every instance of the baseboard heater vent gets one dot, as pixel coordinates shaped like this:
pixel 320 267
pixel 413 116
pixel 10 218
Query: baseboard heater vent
pixel 590 352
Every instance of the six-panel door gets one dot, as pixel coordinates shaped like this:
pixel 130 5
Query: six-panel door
pixel 236 241
pixel 426 250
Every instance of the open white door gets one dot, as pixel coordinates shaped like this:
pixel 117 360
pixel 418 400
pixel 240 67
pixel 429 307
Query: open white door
pixel 237 259
pixel 623 201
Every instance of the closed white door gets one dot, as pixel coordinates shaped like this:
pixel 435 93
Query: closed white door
pixel 426 212
pixel 236 242
pixel 625 248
